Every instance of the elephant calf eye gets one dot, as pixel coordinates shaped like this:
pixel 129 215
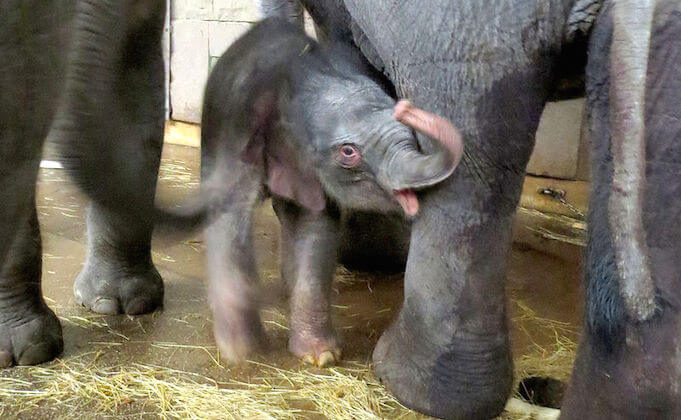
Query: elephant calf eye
pixel 348 156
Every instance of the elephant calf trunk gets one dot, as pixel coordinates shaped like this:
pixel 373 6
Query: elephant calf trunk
pixel 409 168
pixel 434 126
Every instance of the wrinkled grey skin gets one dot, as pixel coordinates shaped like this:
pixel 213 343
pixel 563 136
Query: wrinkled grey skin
pixel 278 113
pixel 625 367
pixel 489 67
pixel 90 73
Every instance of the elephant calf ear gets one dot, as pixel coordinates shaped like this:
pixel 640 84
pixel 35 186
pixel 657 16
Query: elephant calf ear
pixel 285 176
pixel 285 180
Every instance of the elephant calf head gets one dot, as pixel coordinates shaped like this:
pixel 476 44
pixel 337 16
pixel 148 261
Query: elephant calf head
pixel 320 125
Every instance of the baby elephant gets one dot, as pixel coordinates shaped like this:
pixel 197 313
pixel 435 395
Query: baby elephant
pixel 311 127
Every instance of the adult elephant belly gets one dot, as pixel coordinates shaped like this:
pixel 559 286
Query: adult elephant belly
pixel 488 70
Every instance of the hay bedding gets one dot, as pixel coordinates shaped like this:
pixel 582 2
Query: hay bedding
pixel 554 360
pixel 96 384
pixel 81 386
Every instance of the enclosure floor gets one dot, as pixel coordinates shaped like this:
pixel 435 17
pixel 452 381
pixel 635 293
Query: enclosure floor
pixel 544 311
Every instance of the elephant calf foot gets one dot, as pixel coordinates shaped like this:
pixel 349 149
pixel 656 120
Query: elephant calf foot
pixel 312 337
pixel 315 346
pixel 29 340
pixel 111 290
pixel 464 378
pixel 238 333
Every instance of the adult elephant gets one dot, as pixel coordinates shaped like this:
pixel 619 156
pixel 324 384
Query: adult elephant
pixel 89 72
pixel 489 67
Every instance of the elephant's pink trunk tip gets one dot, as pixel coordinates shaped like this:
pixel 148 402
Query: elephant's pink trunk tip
pixel 434 126
pixel 434 167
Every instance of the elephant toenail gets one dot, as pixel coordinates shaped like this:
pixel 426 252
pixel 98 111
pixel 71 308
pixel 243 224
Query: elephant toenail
pixel 79 297
pixel 5 359
pixel 106 306
pixel 138 306
pixel 326 359
pixel 36 353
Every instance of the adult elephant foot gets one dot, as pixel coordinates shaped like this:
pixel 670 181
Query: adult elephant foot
pixel 29 338
pixel 29 331
pixel 640 378
pixel 468 378
pixel 111 288
pixel 119 276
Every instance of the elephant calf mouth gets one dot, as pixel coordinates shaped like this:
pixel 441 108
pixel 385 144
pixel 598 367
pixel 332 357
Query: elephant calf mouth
pixel 408 201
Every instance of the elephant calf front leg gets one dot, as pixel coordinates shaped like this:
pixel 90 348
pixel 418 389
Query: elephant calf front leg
pixel 309 248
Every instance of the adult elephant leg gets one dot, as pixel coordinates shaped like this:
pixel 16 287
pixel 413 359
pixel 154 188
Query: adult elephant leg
pixel 119 275
pixel 627 367
pixel 309 248
pixel 447 354
pixel 29 331
pixel 112 121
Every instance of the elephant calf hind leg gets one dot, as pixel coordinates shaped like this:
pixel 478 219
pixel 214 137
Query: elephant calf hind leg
pixel 119 276
pixel 29 331
pixel 309 247
pixel 234 293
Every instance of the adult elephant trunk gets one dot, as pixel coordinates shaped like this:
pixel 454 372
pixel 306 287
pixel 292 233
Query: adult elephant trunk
pixel 632 22
pixel 405 167
pixel 109 126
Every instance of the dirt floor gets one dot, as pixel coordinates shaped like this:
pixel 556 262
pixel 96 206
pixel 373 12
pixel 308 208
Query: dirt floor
pixel 166 364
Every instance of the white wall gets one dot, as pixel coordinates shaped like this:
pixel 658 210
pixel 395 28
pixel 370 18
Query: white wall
pixel 200 31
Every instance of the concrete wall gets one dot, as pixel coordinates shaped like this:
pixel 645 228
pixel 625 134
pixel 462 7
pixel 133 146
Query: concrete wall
pixel 200 31
pixel 560 151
